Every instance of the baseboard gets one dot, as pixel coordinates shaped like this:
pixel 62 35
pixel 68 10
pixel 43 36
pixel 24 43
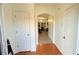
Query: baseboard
pixel 33 50
pixel 58 48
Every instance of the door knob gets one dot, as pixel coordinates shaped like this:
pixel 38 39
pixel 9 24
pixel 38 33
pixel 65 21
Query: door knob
pixel 64 37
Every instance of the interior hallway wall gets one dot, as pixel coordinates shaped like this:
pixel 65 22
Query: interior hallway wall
pixel 8 25
pixel 50 27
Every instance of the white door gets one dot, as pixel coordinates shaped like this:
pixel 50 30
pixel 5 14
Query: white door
pixel 70 32
pixel 22 29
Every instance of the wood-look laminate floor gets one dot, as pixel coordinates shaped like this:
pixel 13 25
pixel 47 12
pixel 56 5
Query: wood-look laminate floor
pixel 43 49
pixel 43 38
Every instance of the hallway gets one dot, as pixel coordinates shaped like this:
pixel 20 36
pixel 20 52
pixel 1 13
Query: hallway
pixel 43 49
pixel 43 38
pixel 38 27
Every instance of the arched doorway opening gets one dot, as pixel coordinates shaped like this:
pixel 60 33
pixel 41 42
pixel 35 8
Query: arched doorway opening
pixel 45 28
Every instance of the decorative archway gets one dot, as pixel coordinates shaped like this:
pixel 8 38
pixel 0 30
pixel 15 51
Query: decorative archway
pixel 42 16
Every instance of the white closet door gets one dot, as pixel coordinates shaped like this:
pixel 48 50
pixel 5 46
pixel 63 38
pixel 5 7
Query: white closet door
pixel 70 32
pixel 22 29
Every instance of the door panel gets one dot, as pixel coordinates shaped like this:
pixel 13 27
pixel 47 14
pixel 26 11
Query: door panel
pixel 22 31
pixel 69 32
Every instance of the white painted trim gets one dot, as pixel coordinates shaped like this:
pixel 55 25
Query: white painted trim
pixel 36 29
pixel 77 45
pixel 54 30
pixel 1 44
pixel 4 42
pixel 59 48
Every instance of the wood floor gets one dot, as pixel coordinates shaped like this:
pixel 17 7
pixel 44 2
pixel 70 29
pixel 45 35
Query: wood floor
pixel 43 38
pixel 43 49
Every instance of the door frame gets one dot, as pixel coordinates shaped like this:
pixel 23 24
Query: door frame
pixel 36 28
pixel 77 50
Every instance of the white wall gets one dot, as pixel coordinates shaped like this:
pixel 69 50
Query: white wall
pixel 8 24
pixel 50 27
pixel 58 28
pixel 3 40
pixel 41 8
pixel 32 27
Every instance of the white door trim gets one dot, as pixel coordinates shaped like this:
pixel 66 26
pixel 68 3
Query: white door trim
pixel 36 29
pixel 77 46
